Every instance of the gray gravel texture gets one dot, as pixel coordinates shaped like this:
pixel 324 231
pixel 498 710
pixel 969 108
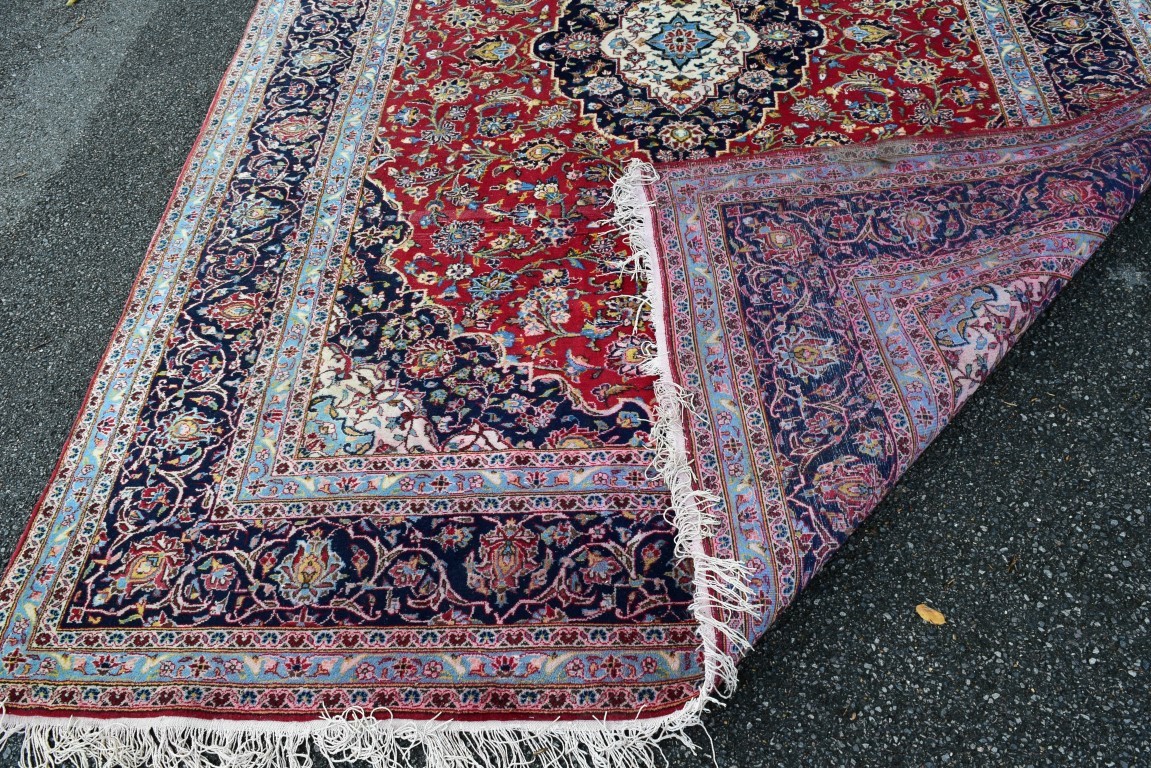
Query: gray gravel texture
pixel 1026 523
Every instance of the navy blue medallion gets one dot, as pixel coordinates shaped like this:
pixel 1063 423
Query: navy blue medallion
pixel 681 78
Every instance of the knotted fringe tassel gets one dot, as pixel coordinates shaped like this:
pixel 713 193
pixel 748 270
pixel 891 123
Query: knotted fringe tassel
pixel 721 596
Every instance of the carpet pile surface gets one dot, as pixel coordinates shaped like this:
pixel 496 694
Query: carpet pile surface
pixel 502 368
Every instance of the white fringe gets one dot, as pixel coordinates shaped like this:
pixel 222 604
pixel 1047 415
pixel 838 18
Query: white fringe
pixel 721 593
pixel 721 588
pixel 170 742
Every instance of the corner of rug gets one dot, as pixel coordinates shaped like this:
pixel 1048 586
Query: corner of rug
pixel 721 595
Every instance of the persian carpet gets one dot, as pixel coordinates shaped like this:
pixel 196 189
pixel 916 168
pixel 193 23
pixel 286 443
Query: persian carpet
pixel 439 419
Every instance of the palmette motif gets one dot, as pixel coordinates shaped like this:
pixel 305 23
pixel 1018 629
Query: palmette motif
pixel 378 429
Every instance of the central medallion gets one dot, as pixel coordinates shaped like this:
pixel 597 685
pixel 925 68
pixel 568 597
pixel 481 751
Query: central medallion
pixel 681 40
pixel 680 53
pixel 679 77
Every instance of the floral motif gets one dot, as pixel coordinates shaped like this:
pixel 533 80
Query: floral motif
pixel 800 353
pixel 152 564
pixel 507 556
pixel 310 572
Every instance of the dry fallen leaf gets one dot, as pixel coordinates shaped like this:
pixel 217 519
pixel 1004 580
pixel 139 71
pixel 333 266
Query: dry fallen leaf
pixel 930 615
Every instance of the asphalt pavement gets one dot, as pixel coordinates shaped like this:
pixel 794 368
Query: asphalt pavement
pixel 1026 523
